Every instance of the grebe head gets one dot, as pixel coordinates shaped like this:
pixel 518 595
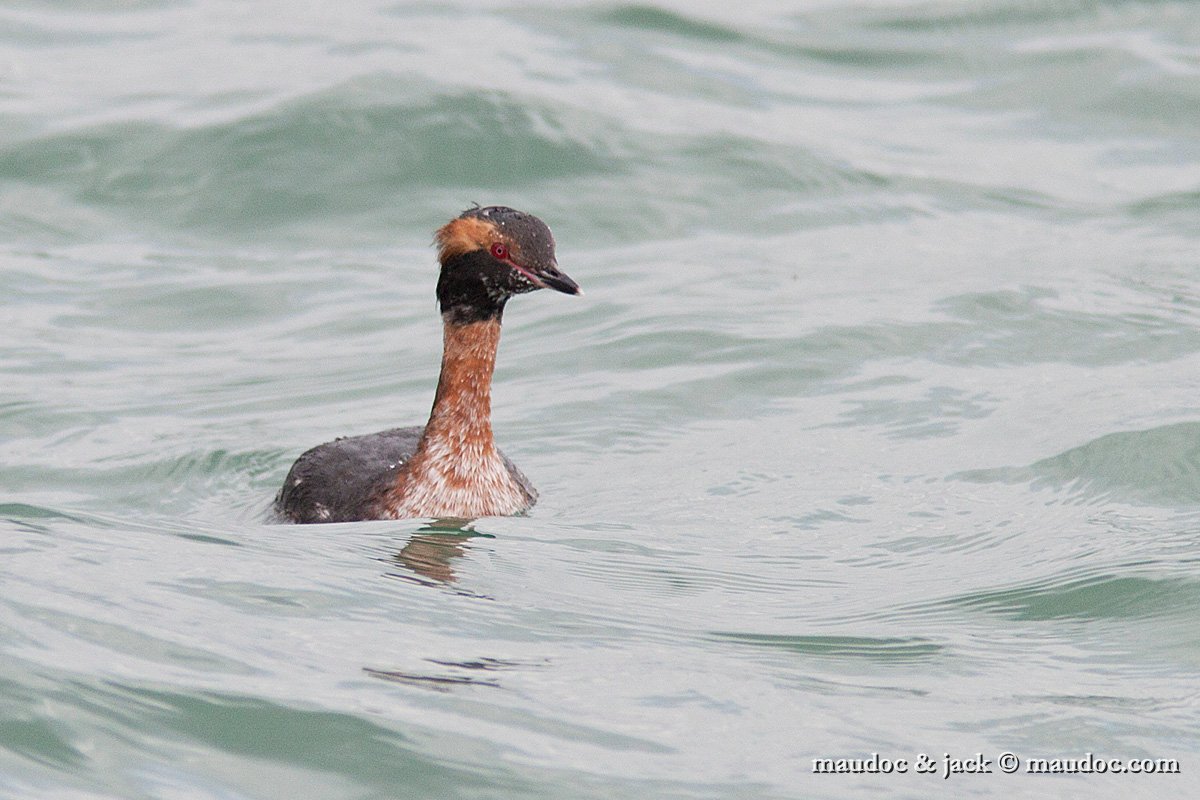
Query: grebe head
pixel 491 253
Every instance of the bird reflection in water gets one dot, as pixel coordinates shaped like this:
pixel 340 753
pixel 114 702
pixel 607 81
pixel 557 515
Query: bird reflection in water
pixel 432 550
pixel 458 673
pixel 428 558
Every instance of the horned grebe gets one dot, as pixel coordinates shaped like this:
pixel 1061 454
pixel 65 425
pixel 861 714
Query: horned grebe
pixel 451 467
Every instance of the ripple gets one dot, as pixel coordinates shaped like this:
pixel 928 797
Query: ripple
pixel 33 735
pixel 1002 14
pixel 647 17
pixel 1156 466
pixel 884 650
pixel 128 642
pixel 1094 597
pixel 23 511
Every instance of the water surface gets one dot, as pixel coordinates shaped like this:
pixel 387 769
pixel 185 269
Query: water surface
pixel 876 430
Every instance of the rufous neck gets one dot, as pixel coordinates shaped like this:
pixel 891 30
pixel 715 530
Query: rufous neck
pixel 462 407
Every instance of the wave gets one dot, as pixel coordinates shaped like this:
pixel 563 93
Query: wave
pixel 1156 466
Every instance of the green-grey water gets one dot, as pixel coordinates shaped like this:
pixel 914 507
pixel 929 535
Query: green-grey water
pixel 875 432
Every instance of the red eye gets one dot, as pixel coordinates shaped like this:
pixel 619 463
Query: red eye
pixel 499 251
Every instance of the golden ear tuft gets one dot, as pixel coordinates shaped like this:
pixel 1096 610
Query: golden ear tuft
pixel 464 235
